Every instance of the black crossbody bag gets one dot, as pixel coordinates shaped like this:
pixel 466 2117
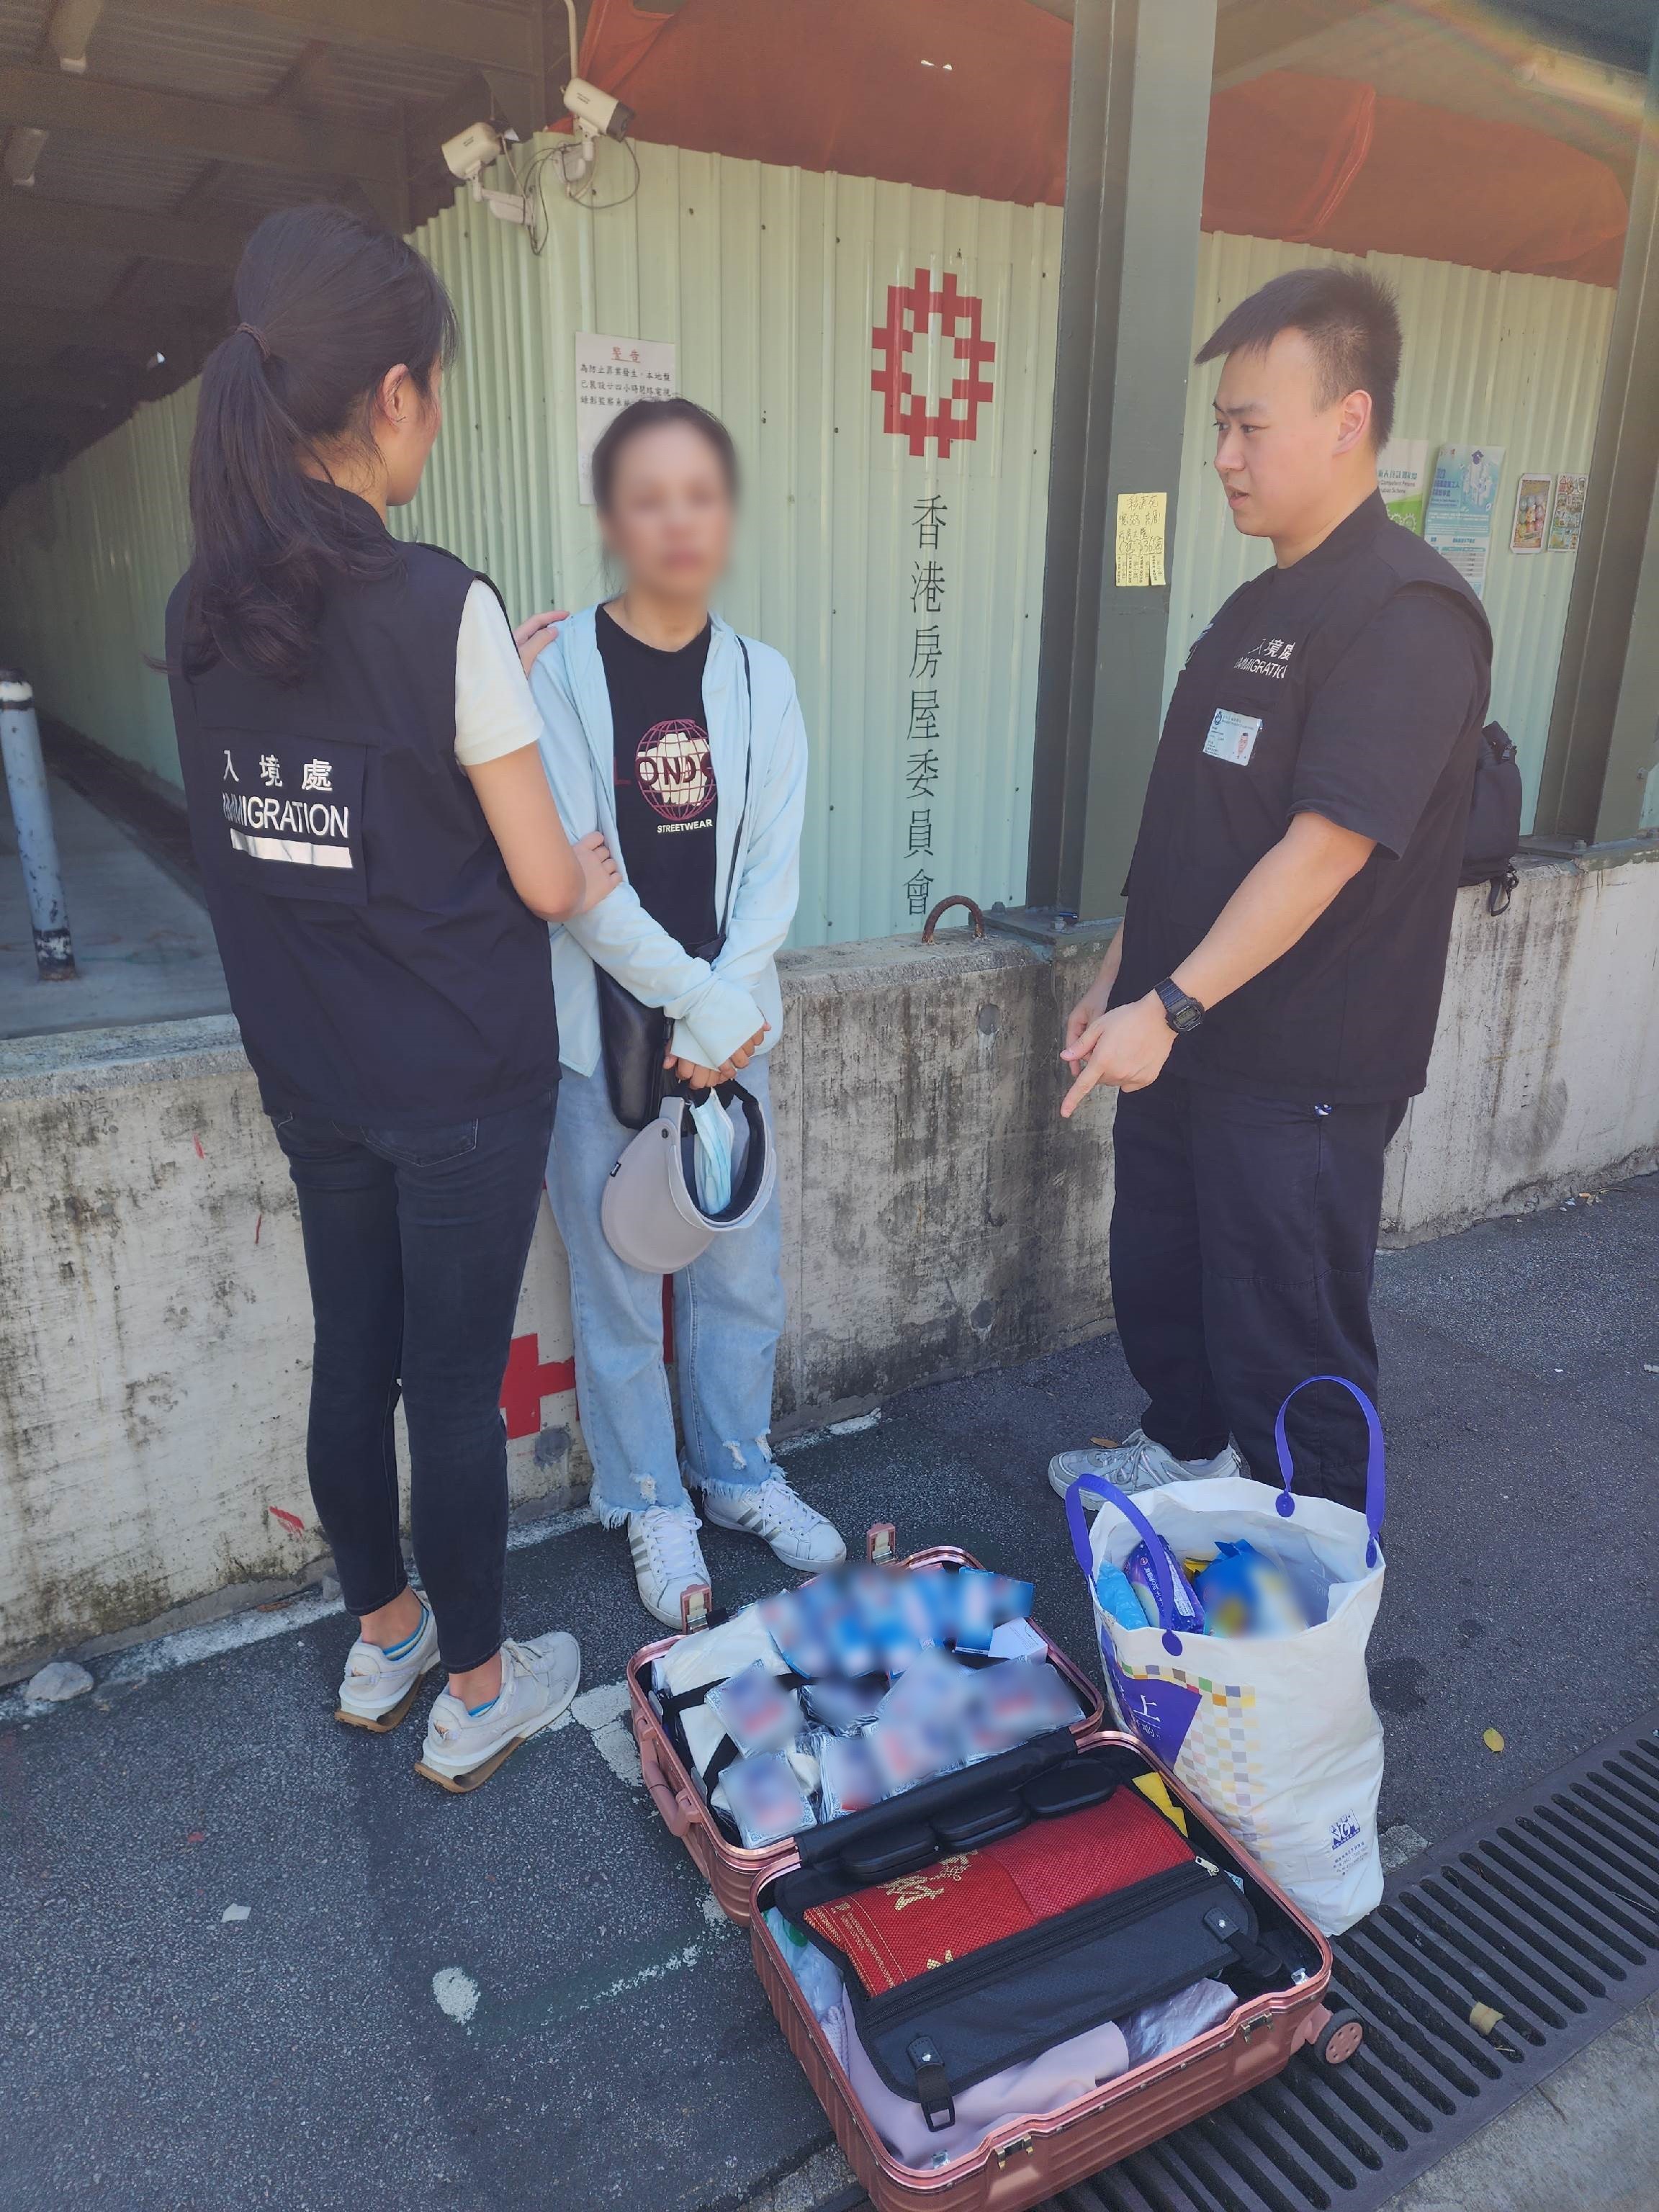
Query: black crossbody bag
pixel 633 1037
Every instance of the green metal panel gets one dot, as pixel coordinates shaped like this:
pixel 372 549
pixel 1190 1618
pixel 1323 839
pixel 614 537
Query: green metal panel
pixel 87 560
pixel 1506 361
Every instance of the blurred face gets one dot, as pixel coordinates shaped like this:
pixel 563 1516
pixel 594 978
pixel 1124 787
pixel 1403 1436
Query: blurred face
pixel 1283 460
pixel 407 422
pixel 668 523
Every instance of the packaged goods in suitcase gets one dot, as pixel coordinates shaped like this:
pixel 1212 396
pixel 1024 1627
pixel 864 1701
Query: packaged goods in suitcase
pixel 999 1990
pixel 921 1685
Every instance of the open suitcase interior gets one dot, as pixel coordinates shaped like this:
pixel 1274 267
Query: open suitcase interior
pixel 1003 1975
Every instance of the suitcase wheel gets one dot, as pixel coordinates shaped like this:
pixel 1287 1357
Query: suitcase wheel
pixel 881 1544
pixel 1340 2037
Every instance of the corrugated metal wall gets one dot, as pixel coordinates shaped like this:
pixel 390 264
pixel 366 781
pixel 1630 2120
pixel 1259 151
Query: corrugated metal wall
pixel 770 282
pixel 87 560
pixel 1505 361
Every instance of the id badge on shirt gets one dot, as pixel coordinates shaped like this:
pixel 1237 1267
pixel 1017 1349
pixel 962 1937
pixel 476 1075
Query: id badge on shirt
pixel 1232 737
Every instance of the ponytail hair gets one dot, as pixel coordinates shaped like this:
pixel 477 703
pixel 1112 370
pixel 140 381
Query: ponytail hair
pixel 326 303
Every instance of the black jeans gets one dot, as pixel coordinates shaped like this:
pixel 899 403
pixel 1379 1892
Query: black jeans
pixel 415 1243
pixel 1243 1236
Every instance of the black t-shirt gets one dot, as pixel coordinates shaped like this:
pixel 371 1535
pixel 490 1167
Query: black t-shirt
pixel 1352 684
pixel 664 778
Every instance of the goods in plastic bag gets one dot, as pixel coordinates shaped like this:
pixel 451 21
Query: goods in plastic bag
pixel 850 1778
pixel 844 1707
pixel 982 1602
pixel 1245 1593
pixel 1012 1701
pixel 911 1748
pixel 756 1710
pixel 797 1634
pixel 1186 1611
pixel 1274 1735
pixel 765 1799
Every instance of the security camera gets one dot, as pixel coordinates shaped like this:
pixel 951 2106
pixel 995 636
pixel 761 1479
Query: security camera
pixel 599 115
pixel 468 154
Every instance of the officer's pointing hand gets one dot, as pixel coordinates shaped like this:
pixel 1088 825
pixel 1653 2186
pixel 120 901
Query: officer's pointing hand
pixel 1125 1049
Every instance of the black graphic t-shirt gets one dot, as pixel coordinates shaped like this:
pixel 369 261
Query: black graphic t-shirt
pixel 664 778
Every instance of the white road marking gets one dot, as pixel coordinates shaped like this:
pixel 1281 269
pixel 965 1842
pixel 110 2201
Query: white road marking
pixel 236 1913
pixel 616 1746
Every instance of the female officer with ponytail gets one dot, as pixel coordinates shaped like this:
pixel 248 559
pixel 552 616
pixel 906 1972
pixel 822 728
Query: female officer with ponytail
pixel 381 856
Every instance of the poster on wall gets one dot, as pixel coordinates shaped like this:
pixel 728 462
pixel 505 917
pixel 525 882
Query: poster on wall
pixel 612 373
pixel 1402 477
pixel 1532 508
pixel 1458 518
pixel 1567 517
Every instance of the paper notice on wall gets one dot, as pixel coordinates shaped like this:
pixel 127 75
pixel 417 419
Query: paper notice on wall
pixel 1458 518
pixel 1532 508
pixel 1402 477
pixel 1567 517
pixel 611 373
pixel 1141 537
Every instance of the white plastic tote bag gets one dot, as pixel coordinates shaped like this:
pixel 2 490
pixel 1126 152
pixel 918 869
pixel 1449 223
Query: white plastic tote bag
pixel 1275 1735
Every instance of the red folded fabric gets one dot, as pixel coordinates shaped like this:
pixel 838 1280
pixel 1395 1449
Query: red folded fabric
pixel 957 1907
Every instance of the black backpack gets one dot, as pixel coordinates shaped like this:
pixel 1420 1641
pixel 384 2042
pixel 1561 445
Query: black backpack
pixel 1494 826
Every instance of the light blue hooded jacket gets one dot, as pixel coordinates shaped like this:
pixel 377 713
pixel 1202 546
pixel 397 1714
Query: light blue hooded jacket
pixel 713 1009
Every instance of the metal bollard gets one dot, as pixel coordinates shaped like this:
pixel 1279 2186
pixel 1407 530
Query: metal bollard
pixel 31 813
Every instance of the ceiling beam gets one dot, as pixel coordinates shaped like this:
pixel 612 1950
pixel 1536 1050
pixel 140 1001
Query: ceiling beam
pixel 218 130
pixel 449 30
pixel 32 329
pixel 109 388
pixel 1253 35
pixel 75 226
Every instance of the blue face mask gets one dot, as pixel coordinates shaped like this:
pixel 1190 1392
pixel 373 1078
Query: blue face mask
pixel 712 1124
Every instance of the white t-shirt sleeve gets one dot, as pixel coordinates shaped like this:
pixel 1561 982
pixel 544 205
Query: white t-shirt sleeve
pixel 494 713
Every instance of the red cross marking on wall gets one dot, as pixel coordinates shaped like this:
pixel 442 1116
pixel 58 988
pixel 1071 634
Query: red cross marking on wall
pixel 910 310
pixel 529 1379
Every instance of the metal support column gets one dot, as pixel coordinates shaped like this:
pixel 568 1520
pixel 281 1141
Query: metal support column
pixel 31 815
pixel 1134 180
pixel 1604 730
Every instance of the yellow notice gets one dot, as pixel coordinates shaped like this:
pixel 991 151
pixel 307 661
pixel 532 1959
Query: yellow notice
pixel 1141 537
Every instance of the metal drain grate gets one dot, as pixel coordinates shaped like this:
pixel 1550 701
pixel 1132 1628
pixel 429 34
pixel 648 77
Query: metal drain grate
pixel 1546 1911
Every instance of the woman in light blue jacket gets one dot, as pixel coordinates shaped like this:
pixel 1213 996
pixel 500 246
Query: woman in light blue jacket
pixel 684 745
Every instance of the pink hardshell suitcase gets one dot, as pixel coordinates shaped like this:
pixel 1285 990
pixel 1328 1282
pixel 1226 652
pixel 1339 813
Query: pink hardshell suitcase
pixel 1030 2158
pixel 731 1871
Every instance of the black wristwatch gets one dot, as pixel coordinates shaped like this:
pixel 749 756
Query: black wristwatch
pixel 1182 1013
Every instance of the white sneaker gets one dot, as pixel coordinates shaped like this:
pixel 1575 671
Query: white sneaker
pixel 799 1537
pixel 538 1681
pixel 668 1563
pixel 375 1691
pixel 1135 1464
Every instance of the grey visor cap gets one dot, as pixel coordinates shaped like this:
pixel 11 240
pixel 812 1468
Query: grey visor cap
pixel 650 1218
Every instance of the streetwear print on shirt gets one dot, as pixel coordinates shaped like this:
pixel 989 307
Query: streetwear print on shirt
pixel 663 771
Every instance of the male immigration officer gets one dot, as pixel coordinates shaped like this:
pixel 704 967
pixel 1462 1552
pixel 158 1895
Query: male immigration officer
pixel 1266 1009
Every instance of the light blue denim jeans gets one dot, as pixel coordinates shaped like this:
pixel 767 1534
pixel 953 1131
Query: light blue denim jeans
pixel 728 1314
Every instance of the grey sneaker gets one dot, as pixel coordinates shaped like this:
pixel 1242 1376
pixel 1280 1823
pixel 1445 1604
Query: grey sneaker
pixel 538 1681
pixel 1135 1464
pixel 377 1691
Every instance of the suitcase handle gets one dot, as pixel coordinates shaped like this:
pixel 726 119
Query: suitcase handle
pixel 1376 1482
pixel 677 1813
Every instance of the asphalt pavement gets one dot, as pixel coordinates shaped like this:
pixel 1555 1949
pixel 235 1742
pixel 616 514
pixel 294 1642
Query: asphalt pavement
pixel 521 2001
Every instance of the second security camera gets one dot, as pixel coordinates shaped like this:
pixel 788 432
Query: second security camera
pixel 599 115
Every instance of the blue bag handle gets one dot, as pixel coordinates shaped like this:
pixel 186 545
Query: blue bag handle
pixel 1163 1587
pixel 1376 1481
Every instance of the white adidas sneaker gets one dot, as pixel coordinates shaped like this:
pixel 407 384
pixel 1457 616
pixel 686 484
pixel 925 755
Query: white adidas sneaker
pixel 538 1681
pixel 668 1565
pixel 1138 1463
pixel 799 1537
pixel 375 1691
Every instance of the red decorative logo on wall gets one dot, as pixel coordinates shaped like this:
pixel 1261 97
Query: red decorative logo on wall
pixel 905 413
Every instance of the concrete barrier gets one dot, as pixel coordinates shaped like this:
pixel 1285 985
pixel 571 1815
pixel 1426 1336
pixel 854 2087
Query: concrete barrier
pixel 154 1323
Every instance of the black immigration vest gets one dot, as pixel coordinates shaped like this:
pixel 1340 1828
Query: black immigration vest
pixel 382 969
